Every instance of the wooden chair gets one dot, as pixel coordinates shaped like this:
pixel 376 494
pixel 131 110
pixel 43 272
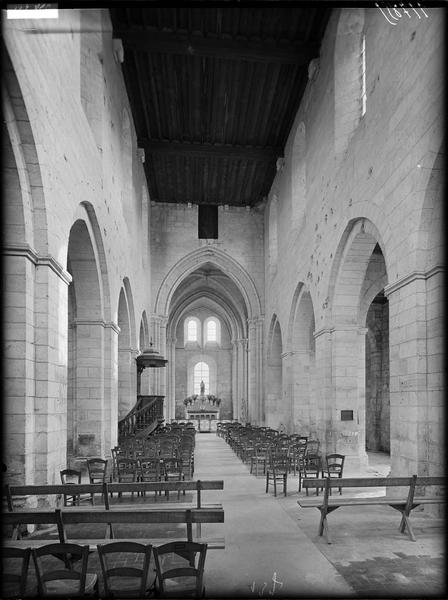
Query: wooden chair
pixel 15 563
pixel 173 471
pixel 180 569
pixel 312 469
pixel 125 569
pixel 97 469
pixel 57 577
pixel 71 476
pixel 277 470
pixel 149 470
pixel 334 467
pixel 260 458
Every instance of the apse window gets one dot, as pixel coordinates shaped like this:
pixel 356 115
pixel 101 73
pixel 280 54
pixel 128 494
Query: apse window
pixel 201 373
pixel 207 222
pixel 192 327
pixel 212 331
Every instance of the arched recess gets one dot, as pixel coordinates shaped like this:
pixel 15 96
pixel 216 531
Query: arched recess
pixel 348 76
pixel 359 275
pixel 298 178
pixel 86 434
pixel 302 362
pixel 276 413
pixel 127 352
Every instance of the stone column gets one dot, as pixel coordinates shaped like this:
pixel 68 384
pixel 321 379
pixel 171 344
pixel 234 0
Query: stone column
pixel 416 373
pixel 348 379
pixel 111 331
pixel 321 413
pixel 255 393
pixel 236 400
pixel 88 406
pixel 287 403
pixel 159 375
pixel 170 400
pixel 35 365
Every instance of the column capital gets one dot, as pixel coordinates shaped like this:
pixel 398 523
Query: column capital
pixel 39 260
pixel 95 323
pixel 391 288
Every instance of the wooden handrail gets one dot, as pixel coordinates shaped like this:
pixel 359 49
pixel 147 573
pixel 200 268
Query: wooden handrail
pixel 140 418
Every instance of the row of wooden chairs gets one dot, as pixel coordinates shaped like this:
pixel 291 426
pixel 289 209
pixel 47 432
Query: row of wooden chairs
pixel 62 570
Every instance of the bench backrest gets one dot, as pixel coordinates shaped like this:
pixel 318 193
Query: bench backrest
pixel 15 491
pixel 111 517
pixel 357 482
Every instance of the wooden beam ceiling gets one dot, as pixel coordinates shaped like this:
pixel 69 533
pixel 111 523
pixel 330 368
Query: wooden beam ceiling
pixel 204 150
pixel 142 40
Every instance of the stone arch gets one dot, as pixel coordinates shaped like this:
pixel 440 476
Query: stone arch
pixel 349 267
pixel 30 203
pixel 193 261
pixel 228 377
pixel 127 369
pixel 276 414
pixel 431 239
pixel 301 362
pixel 358 276
pixel 86 339
pixel 347 76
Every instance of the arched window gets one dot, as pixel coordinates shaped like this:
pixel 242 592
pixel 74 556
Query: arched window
pixel 192 330
pixel 201 372
pixel 212 330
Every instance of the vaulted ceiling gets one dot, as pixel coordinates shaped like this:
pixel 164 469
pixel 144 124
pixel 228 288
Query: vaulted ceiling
pixel 214 92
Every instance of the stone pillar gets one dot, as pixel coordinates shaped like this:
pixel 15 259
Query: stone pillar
pixel 127 381
pixel 170 400
pixel 255 392
pixel 111 331
pixel 416 373
pixel 348 377
pixel 287 401
pixel 297 389
pixel 321 413
pixel 236 400
pixel 159 375
pixel 88 409
pixel 35 366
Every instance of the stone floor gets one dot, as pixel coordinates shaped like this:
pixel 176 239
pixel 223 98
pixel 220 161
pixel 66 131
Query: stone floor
pixel 272 539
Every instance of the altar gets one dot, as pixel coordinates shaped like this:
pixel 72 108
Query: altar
pixel 203 411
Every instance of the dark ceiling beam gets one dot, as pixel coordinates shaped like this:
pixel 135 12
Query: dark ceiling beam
pixel 172 43
pixel 206 150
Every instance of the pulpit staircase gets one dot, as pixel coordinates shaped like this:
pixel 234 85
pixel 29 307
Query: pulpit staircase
pixel 143 419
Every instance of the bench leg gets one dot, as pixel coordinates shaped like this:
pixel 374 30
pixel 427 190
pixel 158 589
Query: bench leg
pixel 406 524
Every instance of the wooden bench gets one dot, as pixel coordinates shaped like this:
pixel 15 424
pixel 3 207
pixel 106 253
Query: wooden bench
pixel 113 516
pixel 12 493
pixel 404 503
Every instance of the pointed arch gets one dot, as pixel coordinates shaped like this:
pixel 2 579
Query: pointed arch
pixel 193 261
